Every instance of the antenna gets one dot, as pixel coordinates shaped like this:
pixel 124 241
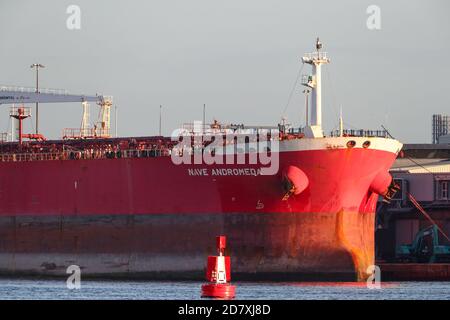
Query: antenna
pixel 115 120
pixel 318 46
pixel 160 112
pixel 204 118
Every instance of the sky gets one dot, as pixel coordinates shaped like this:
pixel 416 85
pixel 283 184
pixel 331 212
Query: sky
pixel 239 57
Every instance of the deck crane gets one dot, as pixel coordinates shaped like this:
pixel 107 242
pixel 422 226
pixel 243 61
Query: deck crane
pixel 22 95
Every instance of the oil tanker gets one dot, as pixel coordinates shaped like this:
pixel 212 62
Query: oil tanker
pixel 293 202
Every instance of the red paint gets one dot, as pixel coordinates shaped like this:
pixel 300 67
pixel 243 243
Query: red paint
pixel 337 181
pixel 33 136
pixel 160 219
pixel 221 242
pixel 221 291
pixel 381 182
pixel 218 274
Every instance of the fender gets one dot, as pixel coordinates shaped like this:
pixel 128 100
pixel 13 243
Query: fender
pixel 294 180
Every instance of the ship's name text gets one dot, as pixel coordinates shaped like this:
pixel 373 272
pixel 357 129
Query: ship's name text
pixel 224 172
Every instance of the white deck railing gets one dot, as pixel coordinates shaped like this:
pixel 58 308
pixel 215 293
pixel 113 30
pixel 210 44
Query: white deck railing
pixel 33 90
pixel 85 154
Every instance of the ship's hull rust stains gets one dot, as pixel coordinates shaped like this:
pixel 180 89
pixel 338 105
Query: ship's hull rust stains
pixel 148 216
pixel 286 244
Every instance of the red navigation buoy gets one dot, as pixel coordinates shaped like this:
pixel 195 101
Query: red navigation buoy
pixel 218 274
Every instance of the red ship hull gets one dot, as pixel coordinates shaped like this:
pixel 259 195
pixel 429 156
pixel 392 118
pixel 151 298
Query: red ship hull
pixel 147 217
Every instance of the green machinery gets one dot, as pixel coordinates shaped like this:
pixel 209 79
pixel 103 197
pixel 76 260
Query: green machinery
pixel 425 248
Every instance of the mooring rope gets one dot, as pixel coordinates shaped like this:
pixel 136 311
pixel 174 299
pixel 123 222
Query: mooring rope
pixel 422 210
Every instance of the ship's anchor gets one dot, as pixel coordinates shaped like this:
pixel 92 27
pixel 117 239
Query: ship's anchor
pixel 289 186
pixel 390 192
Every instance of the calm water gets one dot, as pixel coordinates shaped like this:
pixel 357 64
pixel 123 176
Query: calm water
pixel 56 289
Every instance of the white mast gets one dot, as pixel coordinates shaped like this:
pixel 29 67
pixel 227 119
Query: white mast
pixel 314 81
pixel 84 130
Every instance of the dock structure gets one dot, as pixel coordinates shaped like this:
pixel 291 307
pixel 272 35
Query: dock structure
pixel 415 271
pixel 423 171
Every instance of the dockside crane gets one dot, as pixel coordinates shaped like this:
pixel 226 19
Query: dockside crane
pixel 24 95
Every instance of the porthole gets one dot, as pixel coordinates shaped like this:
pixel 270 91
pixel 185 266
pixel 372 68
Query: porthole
pixel 351 144
pixel 366 144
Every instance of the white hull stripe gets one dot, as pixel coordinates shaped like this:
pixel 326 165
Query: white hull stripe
pixel 327 143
